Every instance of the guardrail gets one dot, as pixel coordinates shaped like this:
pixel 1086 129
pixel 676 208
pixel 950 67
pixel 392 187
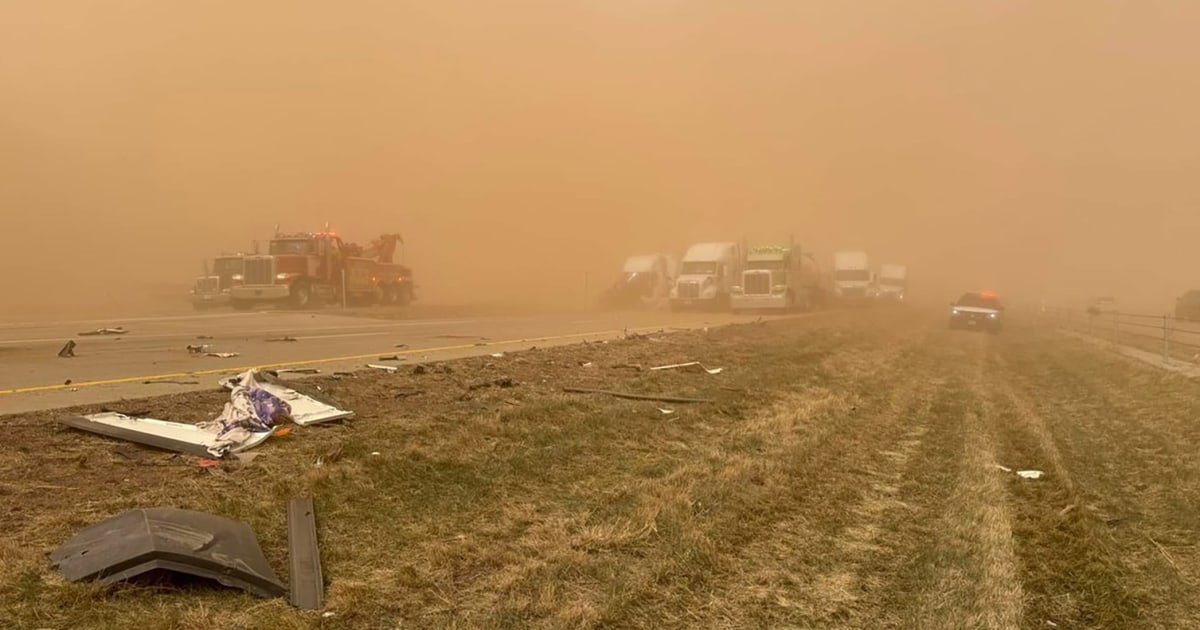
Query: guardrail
pixel 1174 337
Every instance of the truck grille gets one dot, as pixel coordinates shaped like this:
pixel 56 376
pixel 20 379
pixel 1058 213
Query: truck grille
pixel 689 290
pixel 209 284
pixel 259 271
pixel 757 283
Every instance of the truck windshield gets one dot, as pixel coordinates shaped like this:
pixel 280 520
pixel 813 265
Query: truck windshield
pixel 892 282
pixel 976 300
pixel 769 265
pixel 227 266
pixel 852 274
pixel 291 246
pixel 698 267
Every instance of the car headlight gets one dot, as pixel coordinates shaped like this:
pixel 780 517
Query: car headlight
pixel 993 315
pixel 237 277
pixel 955 312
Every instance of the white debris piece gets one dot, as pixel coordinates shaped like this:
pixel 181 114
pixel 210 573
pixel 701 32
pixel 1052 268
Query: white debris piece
pixel 305 410
pixel 385 368
pixel 1030 474
pixel 691 365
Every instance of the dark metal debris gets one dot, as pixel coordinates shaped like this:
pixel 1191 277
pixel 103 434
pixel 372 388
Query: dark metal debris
pixel 304 557
pixel 181 541
pixel 655 397
pixel 68 350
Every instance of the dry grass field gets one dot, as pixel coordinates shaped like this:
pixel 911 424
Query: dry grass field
pixel 847 474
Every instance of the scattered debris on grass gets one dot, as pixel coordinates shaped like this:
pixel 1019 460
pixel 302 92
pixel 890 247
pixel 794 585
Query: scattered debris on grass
pixel 630 396
pixel 1030 474
pixel 503 383
pixel 298 371
pixel 694 366
pixel 385 368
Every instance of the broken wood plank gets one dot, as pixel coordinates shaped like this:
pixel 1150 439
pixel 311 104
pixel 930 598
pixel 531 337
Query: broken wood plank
pixel 654 397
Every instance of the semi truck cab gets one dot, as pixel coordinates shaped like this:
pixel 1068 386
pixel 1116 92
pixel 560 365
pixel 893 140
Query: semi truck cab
pixel 706 276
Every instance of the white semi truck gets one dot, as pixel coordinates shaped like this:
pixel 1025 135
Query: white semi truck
pixel 853 281
pixel 893 282
pixel 706 276
pixel 778 278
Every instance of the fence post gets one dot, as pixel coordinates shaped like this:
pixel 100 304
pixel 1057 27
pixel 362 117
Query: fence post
pixel 1166 341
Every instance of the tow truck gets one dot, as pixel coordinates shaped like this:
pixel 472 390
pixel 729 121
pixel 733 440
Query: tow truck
pixel 977 311
pixel 308 270
pixel 213 288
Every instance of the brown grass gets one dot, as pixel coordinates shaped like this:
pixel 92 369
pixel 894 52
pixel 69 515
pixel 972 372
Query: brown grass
pixel 844 477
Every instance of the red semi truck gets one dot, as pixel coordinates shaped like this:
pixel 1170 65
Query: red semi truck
pixel 308 270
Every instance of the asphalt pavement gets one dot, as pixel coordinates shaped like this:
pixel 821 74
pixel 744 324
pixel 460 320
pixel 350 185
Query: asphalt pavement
pixel 152 357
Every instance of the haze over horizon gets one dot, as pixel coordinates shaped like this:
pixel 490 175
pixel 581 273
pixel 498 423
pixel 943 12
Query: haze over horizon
pixel 1047 150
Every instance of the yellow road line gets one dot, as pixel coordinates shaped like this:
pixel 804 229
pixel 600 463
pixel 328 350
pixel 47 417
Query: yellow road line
pixel 286 364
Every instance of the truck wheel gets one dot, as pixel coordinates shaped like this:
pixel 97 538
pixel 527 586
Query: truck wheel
pixel 301 296
pixel 241 305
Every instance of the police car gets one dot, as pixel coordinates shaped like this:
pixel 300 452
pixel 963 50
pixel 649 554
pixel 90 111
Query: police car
pixel 977 311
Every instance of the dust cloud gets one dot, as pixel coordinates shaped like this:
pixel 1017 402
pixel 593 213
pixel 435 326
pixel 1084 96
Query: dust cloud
pixel 1046 150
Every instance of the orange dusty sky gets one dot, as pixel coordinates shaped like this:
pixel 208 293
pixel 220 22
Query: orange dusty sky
pixel 1046 149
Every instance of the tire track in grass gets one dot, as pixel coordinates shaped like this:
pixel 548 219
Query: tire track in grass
pixel 755 506
pixel 970 568
pixel 1130 447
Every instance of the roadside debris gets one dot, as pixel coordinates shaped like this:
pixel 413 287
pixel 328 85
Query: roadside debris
pixel 587 364
pixel 284 338
pixel 204 337
pixel 119 330
pixel 690 366
pixel 303 409
pixel 178 541
pixel 408 393
pixel 199 348
pixel 68 350
pixel 666 412
pixel 304 557
pixel 497 355
pixel 208 463
pixel 298 371
pixel 636 367
pixel 653 397
pixel 168 381
pixel 503 383
pixel 462 337
pixel 419 370
pixel 392 357
pixel 282 433
pixel 1030 474
pixel 1004 468
pixel 172 436
pixel 385 368
pixel 223 355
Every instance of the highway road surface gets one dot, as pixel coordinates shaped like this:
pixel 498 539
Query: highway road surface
pixel 152 358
